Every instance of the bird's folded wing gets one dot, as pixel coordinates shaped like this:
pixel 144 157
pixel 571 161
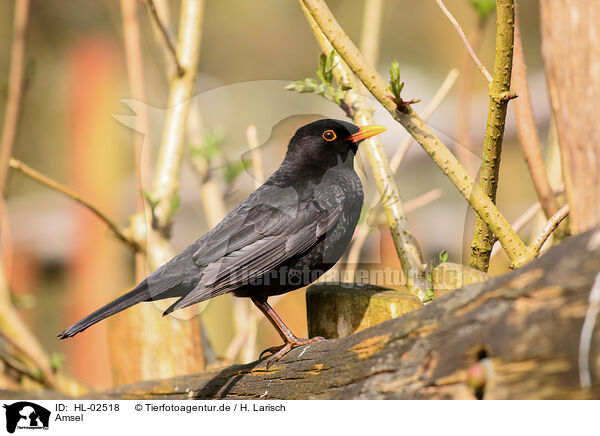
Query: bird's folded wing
pixel 278 237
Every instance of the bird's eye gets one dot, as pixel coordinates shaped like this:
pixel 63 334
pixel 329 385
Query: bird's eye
pixel 329 135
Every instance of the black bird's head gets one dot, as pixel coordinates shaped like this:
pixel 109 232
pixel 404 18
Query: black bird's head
pixel 324 142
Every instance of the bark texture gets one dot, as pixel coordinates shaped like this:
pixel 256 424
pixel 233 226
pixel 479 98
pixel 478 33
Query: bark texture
pixel 571 50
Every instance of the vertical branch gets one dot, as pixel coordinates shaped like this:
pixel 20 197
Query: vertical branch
pixel 406 246
pixel 15 88
pixel 165 184
pixel 137 84
pixel 370 32
pixel 527 131
pixel 484 238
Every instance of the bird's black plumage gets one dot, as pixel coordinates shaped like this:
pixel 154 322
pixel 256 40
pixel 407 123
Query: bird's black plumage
pixel 283 236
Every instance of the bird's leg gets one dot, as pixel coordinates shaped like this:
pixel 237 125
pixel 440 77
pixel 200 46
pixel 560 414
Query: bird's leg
pixel 290 340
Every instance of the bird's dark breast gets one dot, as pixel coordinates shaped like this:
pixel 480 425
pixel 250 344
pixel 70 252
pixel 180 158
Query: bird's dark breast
pixel 306 267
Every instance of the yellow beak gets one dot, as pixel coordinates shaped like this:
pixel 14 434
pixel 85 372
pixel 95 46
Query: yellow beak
pixel 366 132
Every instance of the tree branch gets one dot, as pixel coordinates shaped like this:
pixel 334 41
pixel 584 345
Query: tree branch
pixel 484 238
pixel 15 88
pixel 169 44
pixel 137 85
pixel 517 251
pixel 55 186
pixel 552 224
pixel 165 184
pixel 528 136
pixel 465 40
pixel 370 32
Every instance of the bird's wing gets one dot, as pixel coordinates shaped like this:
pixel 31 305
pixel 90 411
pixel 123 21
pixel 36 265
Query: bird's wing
pixel 278 235
pixel 265 212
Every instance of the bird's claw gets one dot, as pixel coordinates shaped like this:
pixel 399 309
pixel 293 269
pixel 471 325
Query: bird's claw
pixel 278 352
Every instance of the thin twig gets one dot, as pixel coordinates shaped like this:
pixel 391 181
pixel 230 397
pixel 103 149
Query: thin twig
pixel 518 252
pixel 552 224
pixel 528 136
pixel 15 88
pixel 54 185
pixel 587 330
pixel 428 112
pixel 465 40
pixel 465 89
pixel 170 45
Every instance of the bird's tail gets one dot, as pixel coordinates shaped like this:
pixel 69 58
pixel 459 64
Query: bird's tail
pixel 133 297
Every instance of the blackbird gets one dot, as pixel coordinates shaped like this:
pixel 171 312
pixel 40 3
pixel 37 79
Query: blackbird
pixel 285 235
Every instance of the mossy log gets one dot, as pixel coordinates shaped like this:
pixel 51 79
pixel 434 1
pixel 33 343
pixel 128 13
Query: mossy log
pixel 512 337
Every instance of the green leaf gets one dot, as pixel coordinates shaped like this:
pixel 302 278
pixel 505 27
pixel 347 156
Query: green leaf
pixel 329 66
pixel 443 256
pixel 211 143
pixel 56 361
pixel 395 84
pixel 322 66
pixel 175 203
pixel 325 87
pixel 151 202
pixel 326 66
pixel 483 7
pixel 233 169
pixel 297 86
pixel 429 295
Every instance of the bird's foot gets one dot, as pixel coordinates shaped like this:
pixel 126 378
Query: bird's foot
pixel 281 350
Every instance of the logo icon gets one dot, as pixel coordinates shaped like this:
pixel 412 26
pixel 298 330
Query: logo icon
pixel 26 415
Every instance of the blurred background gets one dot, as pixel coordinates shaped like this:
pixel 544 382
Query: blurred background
pixel 76 127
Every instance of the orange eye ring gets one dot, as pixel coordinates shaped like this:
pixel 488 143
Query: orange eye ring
pixel 329 135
